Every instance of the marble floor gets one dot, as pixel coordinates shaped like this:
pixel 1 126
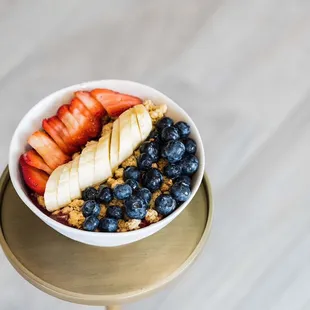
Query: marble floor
pixel 242 71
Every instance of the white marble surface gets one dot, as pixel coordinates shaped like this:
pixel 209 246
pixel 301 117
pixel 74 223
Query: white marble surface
pixel 242 70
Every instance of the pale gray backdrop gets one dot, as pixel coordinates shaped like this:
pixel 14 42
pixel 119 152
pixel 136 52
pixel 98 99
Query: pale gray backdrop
pixel 241 68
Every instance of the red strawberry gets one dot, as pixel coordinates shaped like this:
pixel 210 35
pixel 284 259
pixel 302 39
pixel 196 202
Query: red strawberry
pixel 35 179
pixel 91 103
pixel 33 159
pixel 58 131
pixel 78 136
pixel 88 123
pixel 48 149
pixel 115 103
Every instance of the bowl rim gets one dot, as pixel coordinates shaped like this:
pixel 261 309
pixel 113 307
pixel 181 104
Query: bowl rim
pixel 80 232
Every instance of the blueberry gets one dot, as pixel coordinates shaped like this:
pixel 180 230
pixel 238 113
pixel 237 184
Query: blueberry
pixel 122 191
pixel 91 207
pixel 144 162
pixel 183 128
pixel 180 191
pixel 173 170
pixel 135 208
pixel 145 194
pixel 165 204
pixel 173 151
pixel 132 173
pixel 170 133
pixel 108 224
pixel 115 212
pixel 164 122
pixel 104 195
pixel 91 223
pixel 152 179
pixel 151 149
pixel 89 193
pixel 186 180
pixel 133 184
pixel 190 164
pixel 153 135
pixel 190 146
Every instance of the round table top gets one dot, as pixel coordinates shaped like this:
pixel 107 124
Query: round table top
pixel 99 276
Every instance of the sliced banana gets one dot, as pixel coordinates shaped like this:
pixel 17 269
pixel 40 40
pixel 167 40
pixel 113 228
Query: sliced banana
pixel 63 193
pixel 114 147
pixel 144 120
pixel 125 138
pixel 50 195
pixel 75 191
pixel 102 159
pixel 135 134
pixel 87 166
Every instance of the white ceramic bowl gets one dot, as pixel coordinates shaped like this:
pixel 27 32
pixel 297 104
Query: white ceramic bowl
pixel 48 107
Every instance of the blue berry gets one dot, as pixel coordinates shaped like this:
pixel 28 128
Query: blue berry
pixel 107 224
pixel 152 179
pixel 164 122
pixel 190 164
pixel 151 149
pixel 132 173
pixel 173 170
pixel 170 133
pixel 190 146
pixel 104 195
pixel 89 193
pixel 180 191
pixel 165 204
pixel 153 135
pixel 145 194
pixel 144 162
pixel 91 223
pixel 91 207
pixel 183 128
pixel 133 184
pixel 115 212
pixel 135 208
pixel 186 180
pixel 173 151
pixel 122 191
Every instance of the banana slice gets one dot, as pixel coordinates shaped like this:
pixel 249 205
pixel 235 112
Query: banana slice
pixel 75 191
pixel 87 166
pixel 102 159
pixel 135 134
pixel 125 138
pixel 144 120
pixel 63 193
pixel 50 195
pixel 114 147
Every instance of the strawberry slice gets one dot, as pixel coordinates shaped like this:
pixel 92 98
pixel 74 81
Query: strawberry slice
pixel 58 131
pixel 88 122
pixel 33 159
pixel 34 178
pixel 115 103
pixel 78 136
pixel 91 103
pixel 48 149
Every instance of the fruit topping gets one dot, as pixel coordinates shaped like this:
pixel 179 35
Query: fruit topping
pixel 34 178
pixel 145 162
pixel 133 184
pixel 90 193
pixel 94 106
pixel 132 172
pixel 151 149
pixel 184 179
pixel 135 208
pixel 91 207
pixel 108 224
pixel 122 191
pixel 173 170
pixel 183 128
pixel 180 191
pixel 190 164
pixel 170 133
pixel 190 146
pixel 115 212
pixel 173 151
pixel 164 122
pixel 145 194
pixel 152 179
pixel 91 223
pixel 33 159
pixel 104 195
pixel 165 204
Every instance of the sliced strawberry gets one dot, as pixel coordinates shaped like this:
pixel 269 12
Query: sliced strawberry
pixel 78 136
pixel 88 122
pixel 33 159
pixel 58 131
pixel 34 178
pixel 48 149
pixel 91 103
pixel 115 103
